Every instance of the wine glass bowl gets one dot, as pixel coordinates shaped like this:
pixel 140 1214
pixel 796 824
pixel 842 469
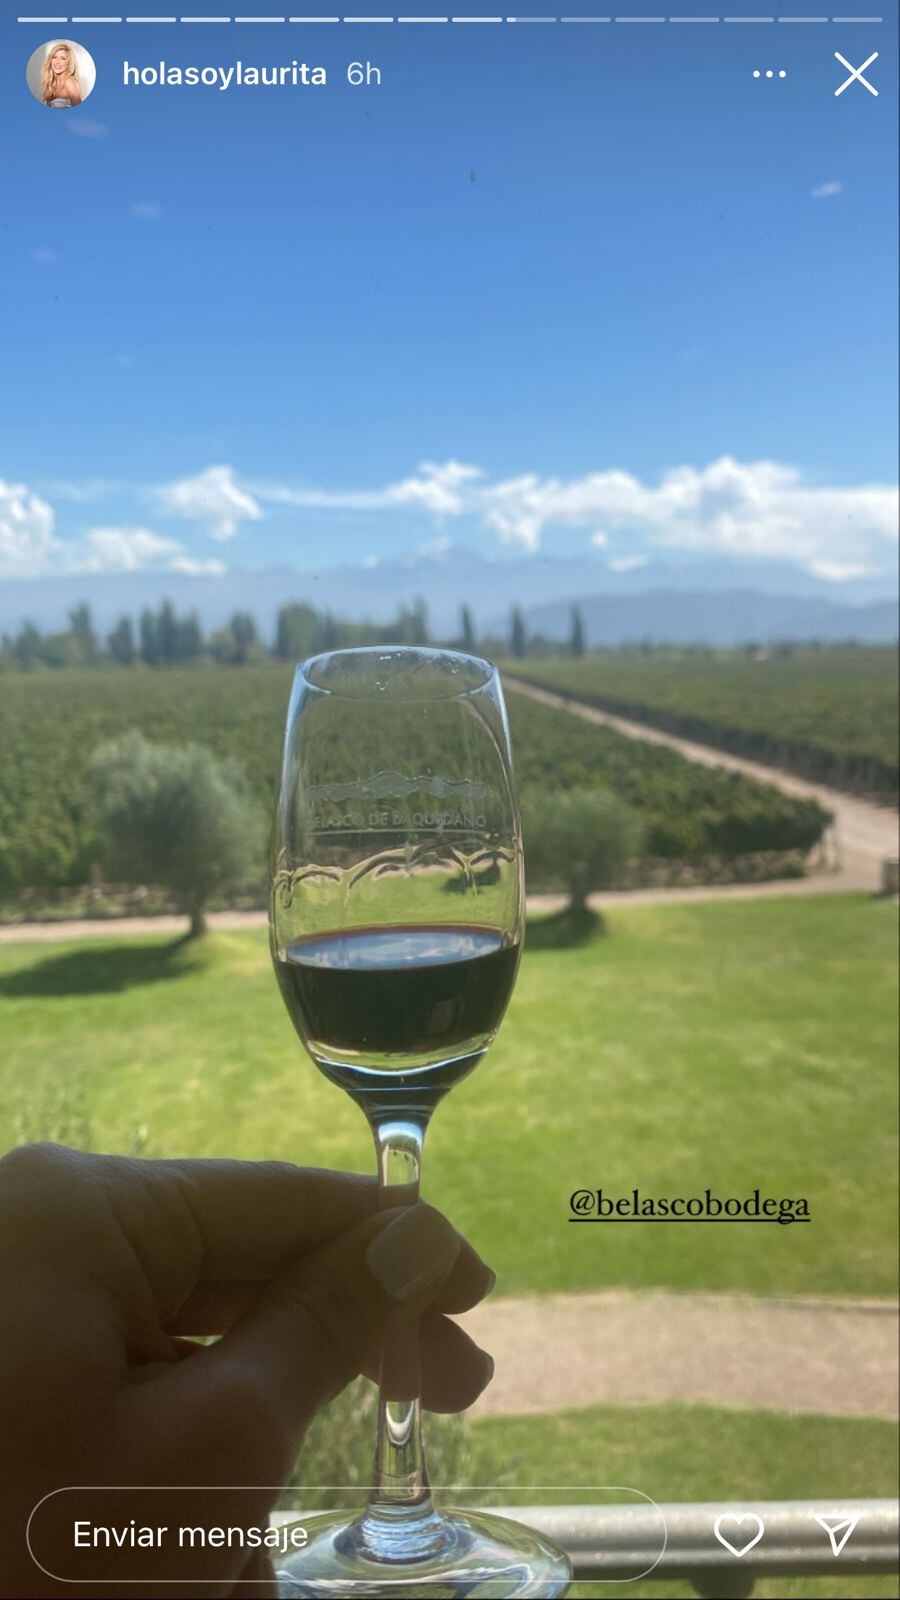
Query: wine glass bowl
pixel 397 904
pixel 396 924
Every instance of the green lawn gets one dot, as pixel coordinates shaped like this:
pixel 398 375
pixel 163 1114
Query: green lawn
pixel 733 1045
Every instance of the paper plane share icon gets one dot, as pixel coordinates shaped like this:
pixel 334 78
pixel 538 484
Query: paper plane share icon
pixel 835 1526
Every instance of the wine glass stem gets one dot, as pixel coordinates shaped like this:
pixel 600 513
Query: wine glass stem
pixel 400 1492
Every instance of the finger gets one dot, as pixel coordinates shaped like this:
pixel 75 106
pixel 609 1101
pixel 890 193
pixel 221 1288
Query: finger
pixel 251 1217
pixel 198 1222
pixel 192 1222
pixel 236 1410
pixel 149 1231
pixel 215 1307
pixel 470 1280
pixel 454 1369
pixel 323 1320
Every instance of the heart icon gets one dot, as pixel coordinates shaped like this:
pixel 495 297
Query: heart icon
pixel 749 1516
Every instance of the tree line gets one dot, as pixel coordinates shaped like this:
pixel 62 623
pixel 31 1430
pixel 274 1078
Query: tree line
pixel 160 636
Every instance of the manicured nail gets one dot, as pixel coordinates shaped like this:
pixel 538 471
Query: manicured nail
pixel 415 1251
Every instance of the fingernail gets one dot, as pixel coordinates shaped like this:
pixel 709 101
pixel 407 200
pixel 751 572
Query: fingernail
pixel 488 1368
pixel 416 1250
pixel 490 1281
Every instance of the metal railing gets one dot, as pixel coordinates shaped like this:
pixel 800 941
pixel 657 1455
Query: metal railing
pixel 624 1541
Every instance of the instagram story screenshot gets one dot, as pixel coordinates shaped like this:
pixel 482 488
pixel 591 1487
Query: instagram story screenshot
pixel 449 865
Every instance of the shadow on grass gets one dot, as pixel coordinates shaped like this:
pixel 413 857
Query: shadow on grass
pixel 107 970
pixel 574 925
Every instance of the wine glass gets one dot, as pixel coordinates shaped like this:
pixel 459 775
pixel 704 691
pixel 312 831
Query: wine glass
pixel 396 922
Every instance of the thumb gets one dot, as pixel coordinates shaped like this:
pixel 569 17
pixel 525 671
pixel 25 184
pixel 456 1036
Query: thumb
pixel 324 1318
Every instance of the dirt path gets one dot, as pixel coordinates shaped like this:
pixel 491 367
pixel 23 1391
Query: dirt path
pixel 644 1347
pixel 609 899
pixel 863 834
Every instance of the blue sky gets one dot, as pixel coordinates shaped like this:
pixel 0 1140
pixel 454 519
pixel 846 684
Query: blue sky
pixel 619 294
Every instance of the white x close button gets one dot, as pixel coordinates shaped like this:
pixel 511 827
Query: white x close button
pixel 856 73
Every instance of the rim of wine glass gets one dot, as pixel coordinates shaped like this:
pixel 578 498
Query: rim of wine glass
pixel 488 672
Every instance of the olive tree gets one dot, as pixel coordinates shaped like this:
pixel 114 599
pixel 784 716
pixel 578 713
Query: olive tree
pixel 176 816
pixel 580 838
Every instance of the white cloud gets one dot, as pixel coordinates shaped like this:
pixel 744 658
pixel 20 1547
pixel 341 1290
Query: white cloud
pixel 197 567
pixel 86 127
pixel 27 540
pixel 135 550
pixel 762 509
pixel 627 563
pixel 837 571
pixel 277 494
pixel 441 546
pixel 146 210
pixel 81 491
pixel 439 488
pixel 521 508
pixel 212 498
pixel 125 549
pixel 757 509
pixel 824 191
pixel 31 548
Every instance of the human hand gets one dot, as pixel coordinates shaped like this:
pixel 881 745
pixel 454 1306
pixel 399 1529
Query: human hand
pixel 108 1263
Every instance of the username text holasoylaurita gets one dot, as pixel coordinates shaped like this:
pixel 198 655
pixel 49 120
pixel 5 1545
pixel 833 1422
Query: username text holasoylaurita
pixel 162 75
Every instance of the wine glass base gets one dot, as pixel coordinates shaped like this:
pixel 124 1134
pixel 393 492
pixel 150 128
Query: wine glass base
pixel 473 1554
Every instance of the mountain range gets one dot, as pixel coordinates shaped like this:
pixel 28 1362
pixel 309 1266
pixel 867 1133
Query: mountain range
pixel 715 601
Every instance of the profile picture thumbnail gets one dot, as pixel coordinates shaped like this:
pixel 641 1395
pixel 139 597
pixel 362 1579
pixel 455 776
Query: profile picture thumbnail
pixel 60 74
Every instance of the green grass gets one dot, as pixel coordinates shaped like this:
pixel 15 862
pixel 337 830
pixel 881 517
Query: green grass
pixel 677 1452
pixel 733 1045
